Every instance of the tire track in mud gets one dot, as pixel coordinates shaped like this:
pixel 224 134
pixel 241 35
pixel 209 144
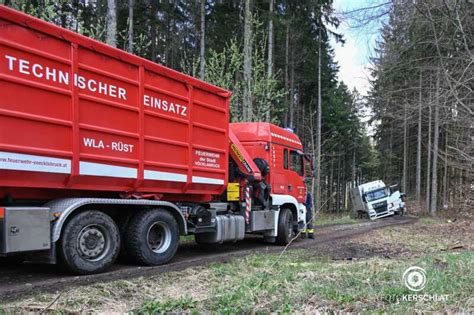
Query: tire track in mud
pixel 30 279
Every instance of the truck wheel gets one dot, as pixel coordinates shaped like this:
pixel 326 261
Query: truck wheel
pixel 90 242
pixel 285 227
pixel 152 237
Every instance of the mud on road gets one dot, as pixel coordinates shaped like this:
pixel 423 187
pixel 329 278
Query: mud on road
pixel 30 279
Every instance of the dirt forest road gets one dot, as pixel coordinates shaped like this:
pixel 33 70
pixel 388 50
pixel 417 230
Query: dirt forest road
pixel 29 279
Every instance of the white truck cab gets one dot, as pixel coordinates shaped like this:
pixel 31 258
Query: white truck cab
pixel 375 200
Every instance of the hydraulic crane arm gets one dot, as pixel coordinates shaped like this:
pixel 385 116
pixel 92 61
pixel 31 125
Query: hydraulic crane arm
pixel 242 158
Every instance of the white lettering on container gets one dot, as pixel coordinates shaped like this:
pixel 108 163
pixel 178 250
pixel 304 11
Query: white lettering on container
pixel 10 62
pixel 24 66
pixel 48 73
pixel 164 105
pixel 35 72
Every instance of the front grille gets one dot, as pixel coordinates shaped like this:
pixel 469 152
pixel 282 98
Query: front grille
pixel 380 206
pixel 380 209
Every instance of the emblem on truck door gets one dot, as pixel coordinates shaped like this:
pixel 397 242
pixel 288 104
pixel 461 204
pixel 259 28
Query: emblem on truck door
pixel 14 230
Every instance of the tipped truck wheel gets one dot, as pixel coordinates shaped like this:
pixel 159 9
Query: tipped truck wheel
pixel 90 243
pixel 152 237
pixel 285 227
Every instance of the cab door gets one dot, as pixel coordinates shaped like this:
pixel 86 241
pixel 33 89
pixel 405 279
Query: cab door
pixel 295 173
pixel 287 174
pixel 278 173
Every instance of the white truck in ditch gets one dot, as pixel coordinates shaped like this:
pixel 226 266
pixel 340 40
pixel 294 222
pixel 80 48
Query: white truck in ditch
pixel 376 200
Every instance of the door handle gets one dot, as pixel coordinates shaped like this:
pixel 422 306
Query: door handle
pixel 290 187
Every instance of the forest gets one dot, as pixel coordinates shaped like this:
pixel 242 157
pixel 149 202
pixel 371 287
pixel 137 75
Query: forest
pixel 276 58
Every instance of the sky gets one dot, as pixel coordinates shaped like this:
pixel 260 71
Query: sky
pixel 353 57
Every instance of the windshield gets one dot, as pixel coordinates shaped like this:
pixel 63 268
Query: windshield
pixel 376 194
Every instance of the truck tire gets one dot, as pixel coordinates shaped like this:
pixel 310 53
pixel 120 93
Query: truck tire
pixel 285 227
pixel 152 237
pixel 90 243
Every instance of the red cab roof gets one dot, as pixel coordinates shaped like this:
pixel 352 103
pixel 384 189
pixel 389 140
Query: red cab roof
pixel 267 132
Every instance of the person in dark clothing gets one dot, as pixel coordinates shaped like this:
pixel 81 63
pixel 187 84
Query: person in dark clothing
pixel 309 231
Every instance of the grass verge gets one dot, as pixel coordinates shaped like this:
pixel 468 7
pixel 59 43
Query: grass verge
pixel 301 283
pixel 324 218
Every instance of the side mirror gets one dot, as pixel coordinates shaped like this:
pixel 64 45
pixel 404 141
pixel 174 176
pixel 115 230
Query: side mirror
pixel 364 199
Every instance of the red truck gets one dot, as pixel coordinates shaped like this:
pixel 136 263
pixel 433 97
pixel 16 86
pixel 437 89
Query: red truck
pixel 104 153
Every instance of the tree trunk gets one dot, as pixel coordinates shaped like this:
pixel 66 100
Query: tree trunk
pixel 418 148
pixel 405 145
pixel 331 186
pixel 318 130
pixel 76 13
pixel 287 53
pixel 445 175
pixel 111 38
pixel 434 176
pixel 153 34
pixel 311 133
pixel 247 97
pixel 291 123
pixel 343 184
pixel 353 177
pixel 428 159
pixel 130 26
pixel 101 20
pixel 168 39
pixel 270 55
pixel 390 150
pixel 302 122
pixel 202 53
pixel 338 184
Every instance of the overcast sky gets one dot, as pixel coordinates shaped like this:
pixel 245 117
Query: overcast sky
pixel 354 56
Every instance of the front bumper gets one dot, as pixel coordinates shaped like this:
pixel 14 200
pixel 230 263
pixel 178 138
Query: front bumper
pixel 381 214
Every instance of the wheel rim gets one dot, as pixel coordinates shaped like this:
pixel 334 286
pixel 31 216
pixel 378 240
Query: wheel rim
pixel 159 237
pixel 93 242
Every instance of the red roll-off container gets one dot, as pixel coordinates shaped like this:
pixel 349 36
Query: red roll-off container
pixel 80 117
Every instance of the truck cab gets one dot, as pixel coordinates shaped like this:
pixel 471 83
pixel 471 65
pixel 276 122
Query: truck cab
pixel 280 151
pixel 372 199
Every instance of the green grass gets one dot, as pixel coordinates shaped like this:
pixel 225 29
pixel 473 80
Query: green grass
pixel 186 238
pixel 178 305
pixel 324 218
pixel 299 281
pixel 429 220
